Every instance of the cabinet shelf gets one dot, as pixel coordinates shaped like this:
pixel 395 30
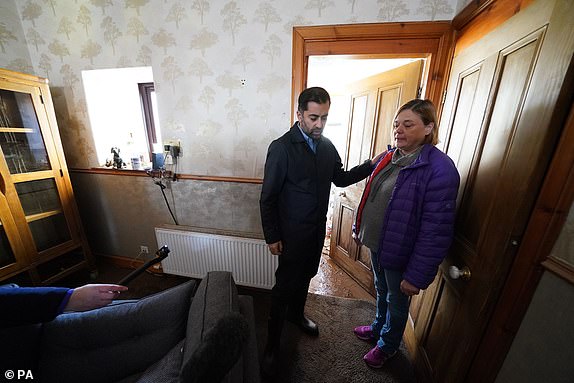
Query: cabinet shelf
pixel 35 217
pixel 4 129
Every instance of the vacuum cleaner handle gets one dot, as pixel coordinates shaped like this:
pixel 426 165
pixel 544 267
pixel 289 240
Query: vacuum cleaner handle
pixel 161 254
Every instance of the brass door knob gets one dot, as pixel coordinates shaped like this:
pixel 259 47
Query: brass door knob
pixel 456 273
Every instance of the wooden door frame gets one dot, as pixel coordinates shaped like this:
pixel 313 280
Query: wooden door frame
pixel 433 40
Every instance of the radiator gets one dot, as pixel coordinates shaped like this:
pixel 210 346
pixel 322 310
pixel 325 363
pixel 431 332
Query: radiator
pixel 193 254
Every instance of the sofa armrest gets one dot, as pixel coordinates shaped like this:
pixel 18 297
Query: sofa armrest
pixel 216 332
pixel 250 351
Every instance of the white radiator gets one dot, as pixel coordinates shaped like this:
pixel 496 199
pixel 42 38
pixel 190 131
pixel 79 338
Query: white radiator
pixel 193 254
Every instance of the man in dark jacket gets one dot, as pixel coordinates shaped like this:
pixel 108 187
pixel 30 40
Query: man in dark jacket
pixel 299 169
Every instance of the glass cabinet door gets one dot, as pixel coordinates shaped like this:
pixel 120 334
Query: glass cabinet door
pixel 41 204
pixel 21 139
pixel 7 257
pixel 33 168
pixel 13 253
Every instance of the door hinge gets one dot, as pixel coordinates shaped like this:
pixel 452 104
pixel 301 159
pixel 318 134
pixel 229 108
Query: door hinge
pixel 419 91
pixel 443 97
pixel 61 173
pixel 41 98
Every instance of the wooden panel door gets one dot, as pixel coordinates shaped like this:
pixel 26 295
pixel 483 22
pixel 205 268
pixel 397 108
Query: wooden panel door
pixel 373 103
pixel 496 129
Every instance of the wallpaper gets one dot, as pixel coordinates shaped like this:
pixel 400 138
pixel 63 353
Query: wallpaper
pixel 222 71
pixel 222 68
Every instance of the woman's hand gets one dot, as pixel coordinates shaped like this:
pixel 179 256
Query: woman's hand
pixel 408 289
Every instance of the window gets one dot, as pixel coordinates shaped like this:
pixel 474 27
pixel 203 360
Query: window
pixel 122 108
pixel 149 110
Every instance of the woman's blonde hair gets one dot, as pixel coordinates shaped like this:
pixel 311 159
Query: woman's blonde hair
pixel 426 110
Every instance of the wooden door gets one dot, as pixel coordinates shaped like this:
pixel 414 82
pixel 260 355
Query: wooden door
pixel 373 103
pixel 495 124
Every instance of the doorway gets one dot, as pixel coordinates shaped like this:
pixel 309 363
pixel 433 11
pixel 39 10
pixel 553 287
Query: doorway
pixel 365 93
pixel 363 45
pixel 336 73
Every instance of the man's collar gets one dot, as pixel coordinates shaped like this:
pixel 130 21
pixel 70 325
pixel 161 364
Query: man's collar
pixel 306 136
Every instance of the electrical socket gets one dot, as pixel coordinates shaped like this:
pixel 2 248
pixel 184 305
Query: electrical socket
pixel 144 250
pixel 173 147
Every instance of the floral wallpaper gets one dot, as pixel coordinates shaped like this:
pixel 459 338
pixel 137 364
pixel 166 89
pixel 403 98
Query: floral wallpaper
pixel 222 71
pixel 222 68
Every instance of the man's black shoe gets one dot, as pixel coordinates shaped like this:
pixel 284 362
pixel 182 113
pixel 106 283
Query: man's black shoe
pixel 305 324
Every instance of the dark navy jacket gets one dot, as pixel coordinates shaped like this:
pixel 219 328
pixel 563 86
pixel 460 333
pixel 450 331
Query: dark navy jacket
pixel 29 305
pixel 296 187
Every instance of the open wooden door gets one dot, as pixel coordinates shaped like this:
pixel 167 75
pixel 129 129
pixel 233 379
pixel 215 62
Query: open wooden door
pixel 496 126
pixel 374 101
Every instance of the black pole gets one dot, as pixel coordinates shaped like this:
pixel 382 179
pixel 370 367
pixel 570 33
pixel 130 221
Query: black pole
pixel 161 254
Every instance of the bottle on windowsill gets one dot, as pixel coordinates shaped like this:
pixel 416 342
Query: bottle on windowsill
pixel 133 154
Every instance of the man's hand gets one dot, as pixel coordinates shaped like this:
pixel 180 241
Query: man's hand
pixel 408 289
pixel 89 297
pixel 356 239
pixel 376 159
pixel 276 248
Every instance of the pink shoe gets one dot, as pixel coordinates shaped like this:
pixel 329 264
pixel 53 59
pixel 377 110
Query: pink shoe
pixel 376 358
pixel 364 333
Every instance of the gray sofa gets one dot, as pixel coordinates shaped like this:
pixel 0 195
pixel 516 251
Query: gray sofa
pixel 178 335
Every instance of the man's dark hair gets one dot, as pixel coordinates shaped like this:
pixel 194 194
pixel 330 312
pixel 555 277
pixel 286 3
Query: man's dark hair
pixel 314 94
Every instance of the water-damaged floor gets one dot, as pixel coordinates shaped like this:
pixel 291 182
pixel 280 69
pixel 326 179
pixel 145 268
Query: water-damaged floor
pixel 332 280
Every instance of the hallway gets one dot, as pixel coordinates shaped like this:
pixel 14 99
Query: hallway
pixel 333 281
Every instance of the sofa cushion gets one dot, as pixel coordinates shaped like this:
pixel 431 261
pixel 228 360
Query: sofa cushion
pixel 210 322
pixel 115 341
pixel 165 370
pixel 219 351
pixel 250 352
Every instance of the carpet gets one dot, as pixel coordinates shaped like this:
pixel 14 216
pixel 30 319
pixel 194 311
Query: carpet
pixel 336 355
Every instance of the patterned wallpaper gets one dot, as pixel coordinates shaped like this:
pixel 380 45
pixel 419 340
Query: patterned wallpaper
pixel 222 68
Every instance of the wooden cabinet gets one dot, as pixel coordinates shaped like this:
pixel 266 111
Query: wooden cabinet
pixel 41 236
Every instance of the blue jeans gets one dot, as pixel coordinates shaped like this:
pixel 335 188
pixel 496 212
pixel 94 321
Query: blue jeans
pixel 392 307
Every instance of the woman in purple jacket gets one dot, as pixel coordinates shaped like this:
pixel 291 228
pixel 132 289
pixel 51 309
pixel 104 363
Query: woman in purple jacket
pixel 406 218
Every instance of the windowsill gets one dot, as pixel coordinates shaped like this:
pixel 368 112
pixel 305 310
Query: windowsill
pixel 109 170
pixel 129 171
pixel 179 176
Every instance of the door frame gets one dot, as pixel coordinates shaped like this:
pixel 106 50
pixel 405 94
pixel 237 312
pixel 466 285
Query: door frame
pixel 433 40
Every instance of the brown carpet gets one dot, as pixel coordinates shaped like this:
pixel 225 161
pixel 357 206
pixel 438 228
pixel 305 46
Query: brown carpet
pixel 336 355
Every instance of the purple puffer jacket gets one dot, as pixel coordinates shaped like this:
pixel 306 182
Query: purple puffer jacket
pixel 419 221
